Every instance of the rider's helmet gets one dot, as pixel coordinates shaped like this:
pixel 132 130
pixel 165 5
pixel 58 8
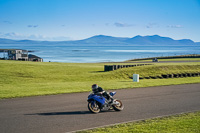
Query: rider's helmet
pixel 94 87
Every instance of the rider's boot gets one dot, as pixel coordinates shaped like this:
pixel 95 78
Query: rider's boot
pixel 111 100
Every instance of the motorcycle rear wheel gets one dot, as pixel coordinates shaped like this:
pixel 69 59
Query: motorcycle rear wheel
pixel 93 108
pixel 119 106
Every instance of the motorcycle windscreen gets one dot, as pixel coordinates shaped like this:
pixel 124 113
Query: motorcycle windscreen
pixel 112 93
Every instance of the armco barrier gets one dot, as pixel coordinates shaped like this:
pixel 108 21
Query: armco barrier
pixel 115 67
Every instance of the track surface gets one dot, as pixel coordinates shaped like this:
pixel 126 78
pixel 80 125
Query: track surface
pixel 68 112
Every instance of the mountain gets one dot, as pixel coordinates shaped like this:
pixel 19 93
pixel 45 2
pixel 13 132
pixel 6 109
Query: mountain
pixel 186 41
pixel 198 43
pixel 137 40
pixel 10 41
pixel 102 39
pixel 109 40
pixel 158 40
pixel 5 41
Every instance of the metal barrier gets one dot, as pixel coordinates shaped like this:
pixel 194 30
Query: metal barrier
pixel 115 67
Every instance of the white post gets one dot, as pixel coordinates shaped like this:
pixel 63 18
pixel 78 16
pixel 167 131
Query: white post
pixel 135 77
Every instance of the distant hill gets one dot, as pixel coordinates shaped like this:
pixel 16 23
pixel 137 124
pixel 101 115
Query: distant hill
pixel 109 40
pixel 198 43
pixel 5 41
pixel 158 40
pixel 102 39
pixel 10 41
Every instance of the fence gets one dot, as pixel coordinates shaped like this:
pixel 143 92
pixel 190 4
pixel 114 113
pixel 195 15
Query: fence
pixel 115 67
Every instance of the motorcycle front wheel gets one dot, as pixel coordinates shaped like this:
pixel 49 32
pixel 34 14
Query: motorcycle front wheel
pixel 118 106
pixel 93 107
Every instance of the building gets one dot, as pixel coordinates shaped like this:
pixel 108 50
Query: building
pixel 14 54
pixel 35 58
pixel 19 54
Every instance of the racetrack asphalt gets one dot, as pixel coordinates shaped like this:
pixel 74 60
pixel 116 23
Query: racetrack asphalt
pixel 68 112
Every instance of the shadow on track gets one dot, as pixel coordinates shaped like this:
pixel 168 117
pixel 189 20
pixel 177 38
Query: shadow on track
pixel 63 113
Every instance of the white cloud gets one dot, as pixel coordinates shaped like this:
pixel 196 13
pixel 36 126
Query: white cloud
pixel 17 36
pixel 152 25
pixel 32 26
pixel 117 24
pixel 174 26
pixel 10 35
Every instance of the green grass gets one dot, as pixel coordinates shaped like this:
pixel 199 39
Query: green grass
pixel 155 70
pixel 20 79
pixel 184 123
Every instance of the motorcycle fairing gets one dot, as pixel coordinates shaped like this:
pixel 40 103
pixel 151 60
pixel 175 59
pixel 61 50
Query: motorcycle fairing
pixel 97 98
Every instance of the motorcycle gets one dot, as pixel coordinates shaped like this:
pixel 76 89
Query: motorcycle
pixel 97 103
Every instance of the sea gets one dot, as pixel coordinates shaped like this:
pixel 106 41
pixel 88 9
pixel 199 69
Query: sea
pixel 98 53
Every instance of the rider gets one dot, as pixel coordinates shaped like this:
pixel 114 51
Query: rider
pixel 100 91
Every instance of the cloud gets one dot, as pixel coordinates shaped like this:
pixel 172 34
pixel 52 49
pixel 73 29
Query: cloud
pixel 152 25
pixel 117 24
pixel 174 26
pixel 32 26
pixel 107 24
pixel 7 22
pixel 17 36
pixel 9 35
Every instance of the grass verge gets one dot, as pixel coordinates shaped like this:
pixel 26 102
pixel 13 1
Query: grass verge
pixel 22 79
pixel 183 123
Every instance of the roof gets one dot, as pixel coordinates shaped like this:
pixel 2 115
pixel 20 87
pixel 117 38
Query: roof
pixel 33 56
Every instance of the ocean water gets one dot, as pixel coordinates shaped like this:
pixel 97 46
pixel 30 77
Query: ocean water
pixel 92 54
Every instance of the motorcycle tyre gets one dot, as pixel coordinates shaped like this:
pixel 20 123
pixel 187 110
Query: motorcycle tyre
pixel 92 110
pixel 116 108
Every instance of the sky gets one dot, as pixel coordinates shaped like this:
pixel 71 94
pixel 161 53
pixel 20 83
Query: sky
pixel 59 20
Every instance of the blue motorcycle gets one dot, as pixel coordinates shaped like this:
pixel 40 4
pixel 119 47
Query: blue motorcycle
pixel 97 103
